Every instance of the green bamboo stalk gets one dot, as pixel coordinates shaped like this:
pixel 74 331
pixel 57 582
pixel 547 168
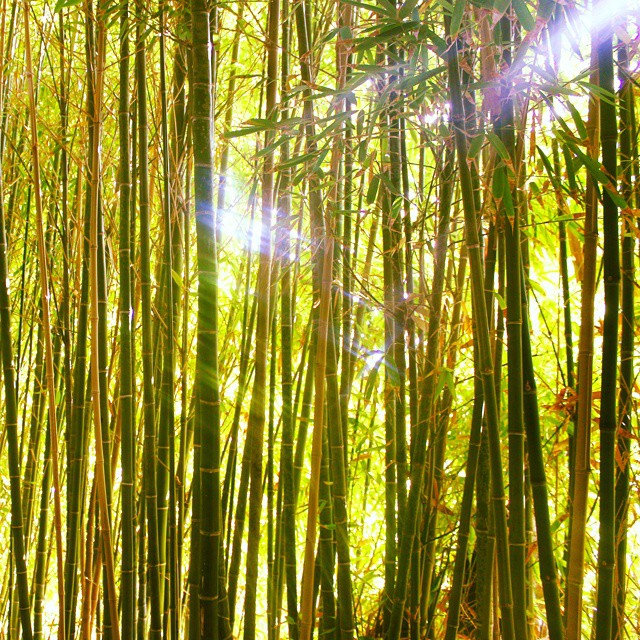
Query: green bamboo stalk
pixel 477 475
pixel 347 248
pixel 126 391
pixel 230 102
pixel 45 537
pixel 626 101
pixel 244 377
pixel 255 426
pixel 336 430
pixel 325 556
pixel 149 454
pixel 573 594
pixel 98 342
pixel 548 571
pixel 272 498
pixel 11 428
pixel 35 431
pixel 41 551
pixel 508 201
pixel 180 179
pixel 208 395
pixel 426 566
pixel 422 431
pixel 235 549
pixel 391 389
pixel 65 304
pixel 283 250
pixel 77 434
pixel 166 430
pixel 323 239
pixel 471 468
pixel 339 492
pixel 65 69
pixel 482 337
pixel 46 323
pixel 611 278
pixel 141 603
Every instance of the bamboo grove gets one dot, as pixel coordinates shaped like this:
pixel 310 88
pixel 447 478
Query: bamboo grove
pixel 317 319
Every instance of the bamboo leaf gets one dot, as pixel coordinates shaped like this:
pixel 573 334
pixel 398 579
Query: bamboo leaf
pixel 63 4
pixel 549 168
pixel 445 378
pixel 412 80
pixel 306 157
pixel 498 146
pixel 372 7
pixel 577 119
pixel 524 15
pixel 407 8
pixel 476 145
pixel 372 192
pixel 569 165
pixel 456 16
pixel 619 201
pixel 372 377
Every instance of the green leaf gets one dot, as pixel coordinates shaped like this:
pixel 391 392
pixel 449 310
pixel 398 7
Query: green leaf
pixel 571 173
pixel 177 278
pixel 598 92
pixel 549 168
pixel 499 146
pixel 388 8
pixel 592 165
pixel 497 187
pixel 371 378
pixel 577 119
pixel 619 201
pixel 524 15
pixel 407 8
pixel 306 157
pixel 427 34
pixel 255 125
pixel 502 190
pixel 244 131
pixel 537 287
pixel 456 16
pixel 345 33
pixel 476 145
pixel 409 81
pixel 392 372
pixel 445 378
pixel 372 192
pixel 370 7
pixel 63 4
pixel 500 6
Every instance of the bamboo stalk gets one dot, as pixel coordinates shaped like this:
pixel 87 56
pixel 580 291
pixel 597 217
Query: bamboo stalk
pixel 573 593
pixel 608 396
pixel 208 394
pixel 96 392
pixel 625 425
pixel 46 322
pixel 482 337
pixel 126 391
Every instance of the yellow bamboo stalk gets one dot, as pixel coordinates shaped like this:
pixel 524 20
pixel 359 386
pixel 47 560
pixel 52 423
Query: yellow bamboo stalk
pixel 46 320
pixel 105 520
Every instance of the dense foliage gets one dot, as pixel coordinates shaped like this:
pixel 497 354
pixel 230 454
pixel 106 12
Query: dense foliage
pixel 318 319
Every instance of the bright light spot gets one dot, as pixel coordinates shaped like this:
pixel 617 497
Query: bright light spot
pixel 372 359
pixel 606 10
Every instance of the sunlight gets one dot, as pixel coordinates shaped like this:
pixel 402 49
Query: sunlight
pixel 606 10
pixel 625 15
pixel 234 221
